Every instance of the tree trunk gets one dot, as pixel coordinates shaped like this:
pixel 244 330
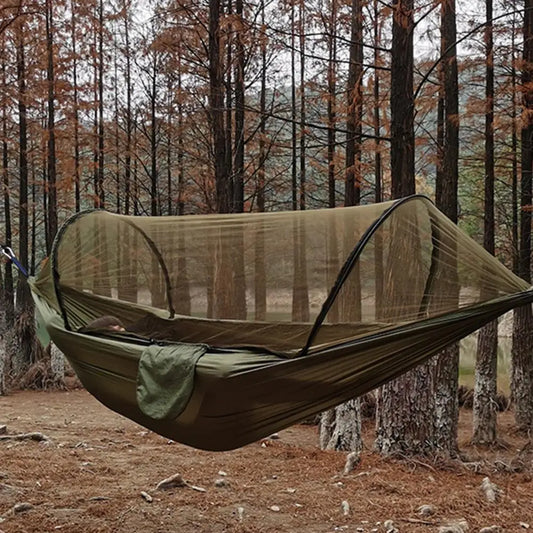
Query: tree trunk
pixel 514 154
pixel 23 330
pixel 294 170
pixel 485 390
pixel 100 167
pixel 402 100
pixel 522 370
pixel 8 296
pixel 51 229
pixel 340 428
pixel 57 366
pixel 332 101
pixel 300 294
pixel 260 307
pixel 404 417
pixel 355 108
pixel 216 109
pixel 75 103
pixel 447 363
pixel 129 121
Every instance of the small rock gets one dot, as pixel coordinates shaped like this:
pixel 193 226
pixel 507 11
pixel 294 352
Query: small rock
pixel 352 460
pixel 291 491
pixel 3 429
pixel 171 482
pixel 274 436
pixel 198 489
pixel 491 529
pixel 345 506
pixel 240 513
pixel 389 526
pixel 426 510
pixel 275 508
pixel 298 505
pixel 490 489
pixel 221 482
pixel 458 526
pixel 22 507
pixel 360 529
pixel 147 496
pixel 523 525
pixel 222 473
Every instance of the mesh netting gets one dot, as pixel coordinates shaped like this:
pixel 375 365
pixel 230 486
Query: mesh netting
pixel 263 278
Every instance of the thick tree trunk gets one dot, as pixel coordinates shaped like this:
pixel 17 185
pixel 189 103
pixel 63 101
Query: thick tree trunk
pixel 8 296
pixel 485 390
pixel 3 360
pixel 402 100
pixel 447 364
pixel 260 293
pixel 340 428
pixel 216 109
pixel 522 371
pixel 24 330
pixel 404 418
pixel 405 414
pixel 75 103
pixel 129 121
pixel 51 229
pixel 332 101
pixel 57 366
pixel 355 108
pixel 101 153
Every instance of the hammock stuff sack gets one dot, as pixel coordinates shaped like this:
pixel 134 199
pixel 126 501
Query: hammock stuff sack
pixel 239 325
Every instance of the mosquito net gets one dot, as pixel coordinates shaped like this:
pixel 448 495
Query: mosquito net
pixel 288 282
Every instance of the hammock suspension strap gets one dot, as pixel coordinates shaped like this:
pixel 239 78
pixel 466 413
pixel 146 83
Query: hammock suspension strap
pixel 8 252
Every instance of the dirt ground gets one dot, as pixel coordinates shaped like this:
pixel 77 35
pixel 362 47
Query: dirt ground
pixel 90 477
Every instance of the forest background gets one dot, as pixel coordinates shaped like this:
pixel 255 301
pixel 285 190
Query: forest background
pixel 180 107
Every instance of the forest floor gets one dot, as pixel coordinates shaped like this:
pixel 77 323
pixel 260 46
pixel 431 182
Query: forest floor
pixel 92 473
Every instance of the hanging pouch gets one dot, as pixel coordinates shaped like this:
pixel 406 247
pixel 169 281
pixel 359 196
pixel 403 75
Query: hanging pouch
pixel 165 378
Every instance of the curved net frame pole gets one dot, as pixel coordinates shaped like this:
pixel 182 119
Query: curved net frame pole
pixel 57 278
pixel 162 264
pixel 349 265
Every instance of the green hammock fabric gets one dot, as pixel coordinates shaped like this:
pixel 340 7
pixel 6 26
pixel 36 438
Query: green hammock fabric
pixel 290 338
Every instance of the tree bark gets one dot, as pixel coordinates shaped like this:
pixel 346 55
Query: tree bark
pixel 216 109
pixel 485 390
pixel 340 428
pixel 332 101
pixel 405 408
pixel 51 229
pixel 260 300
pixel 402 100
pixel 75 104
pixel 355 107
pixel 522 369
pixel 447 363
pixel 26 351
pixel 8 296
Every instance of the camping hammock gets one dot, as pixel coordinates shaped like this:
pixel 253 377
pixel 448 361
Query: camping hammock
pixel 239 325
